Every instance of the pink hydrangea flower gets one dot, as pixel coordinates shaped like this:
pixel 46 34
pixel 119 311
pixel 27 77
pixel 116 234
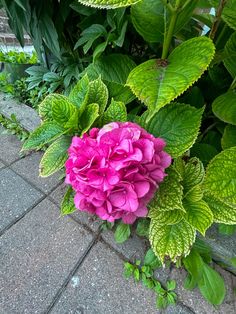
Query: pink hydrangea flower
pixel 116 170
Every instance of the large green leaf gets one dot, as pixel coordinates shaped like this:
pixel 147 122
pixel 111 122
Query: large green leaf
pixel 62 109
pixel 158 82
pixel 79 94
pixel 229 13
pixel 211 285
pixel 230 55
pixel 224 107
pixel 67 204
pixel 114 70
pixel 98 94
pixel 44 134
pixel 198 215
pixel 229 137
pixel 149 15
pixel 45 108
pixel 171 241
pixel 178 125
pixel 220 177
pixel 167 198
pixel 222 212
pixel 194 265
pixel 90 114
pixel 55 156
pixel 115 112
pixel 108 4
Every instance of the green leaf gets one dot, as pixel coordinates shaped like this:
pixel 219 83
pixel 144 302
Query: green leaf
pixel 193 174
pixel 212 286
pixel 227 229
pixel 45 108
pixel 169 217
pixel 108 4
pixel 171 241
pixel 230 55
pixel 44 134
pixel 171 285
pixel 114 70
pixel 194 265
pixel 67 205
pixel 142 229
pixel 115 112
pixel 122 232
pixel 55 156
pixel 195 194
pixel 224 107
pixel 151 260
pixel 149 15
pixel 204 152
pixel 198 215
pixel 158 82
pixel 167 198
pixel 79 94
pixel 229 137
pixel 98 94
pixel 221 176
pixel 62 109
pixel 178 124
pixel 222 212
pixel 89 116
pixel 229 13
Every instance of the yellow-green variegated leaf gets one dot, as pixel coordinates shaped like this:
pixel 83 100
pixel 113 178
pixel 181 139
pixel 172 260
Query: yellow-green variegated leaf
pixel 108 4
pixel 220 179
pixel 199 215
pixel 98 94
pixel 171 241
pixel 88 117
pixel 67 204
pixel 115 112
pixel 195 194
pixel 168 196
pixel 55 156
pixel 222 212
pixel 169 217
pixel 157 82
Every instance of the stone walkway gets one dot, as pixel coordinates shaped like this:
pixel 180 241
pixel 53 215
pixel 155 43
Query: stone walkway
pixel 65 265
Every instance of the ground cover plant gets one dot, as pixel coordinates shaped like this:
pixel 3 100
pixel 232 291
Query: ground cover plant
pixel 147 136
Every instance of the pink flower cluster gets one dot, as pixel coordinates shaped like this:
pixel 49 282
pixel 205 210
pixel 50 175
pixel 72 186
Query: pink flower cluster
pixel 116 170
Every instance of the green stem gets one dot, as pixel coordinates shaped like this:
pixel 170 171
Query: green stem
pixel 216 23
pixel 169 35
pixel 233 84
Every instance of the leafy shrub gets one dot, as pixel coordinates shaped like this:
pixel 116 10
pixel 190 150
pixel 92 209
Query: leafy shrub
pixel 18 57
pixel 179 85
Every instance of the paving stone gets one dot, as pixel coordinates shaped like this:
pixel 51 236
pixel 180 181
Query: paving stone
pixel 99 287
pixel 16 196
pixel 194 300
pixel 37 255
pixel 28 167
pixel 177 309
pixel 90 221
pixel 10 148
pixel 1 165
pixel 27 116
pixel 133 248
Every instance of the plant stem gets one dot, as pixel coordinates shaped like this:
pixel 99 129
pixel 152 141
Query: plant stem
pixel 233 84
pixel 216 23
pixel 168 5
pixel 221 35
pixel 168 36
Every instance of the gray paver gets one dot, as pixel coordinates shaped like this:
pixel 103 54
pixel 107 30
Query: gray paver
pixel 28 167
pixel 177 309
pixel 37 255
pixel 195 300
pixel 133 248
pixel 1 165
pixel 16 196
pixel 90 221
pixel 99 287
pixel 10 148
pixel 27 116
